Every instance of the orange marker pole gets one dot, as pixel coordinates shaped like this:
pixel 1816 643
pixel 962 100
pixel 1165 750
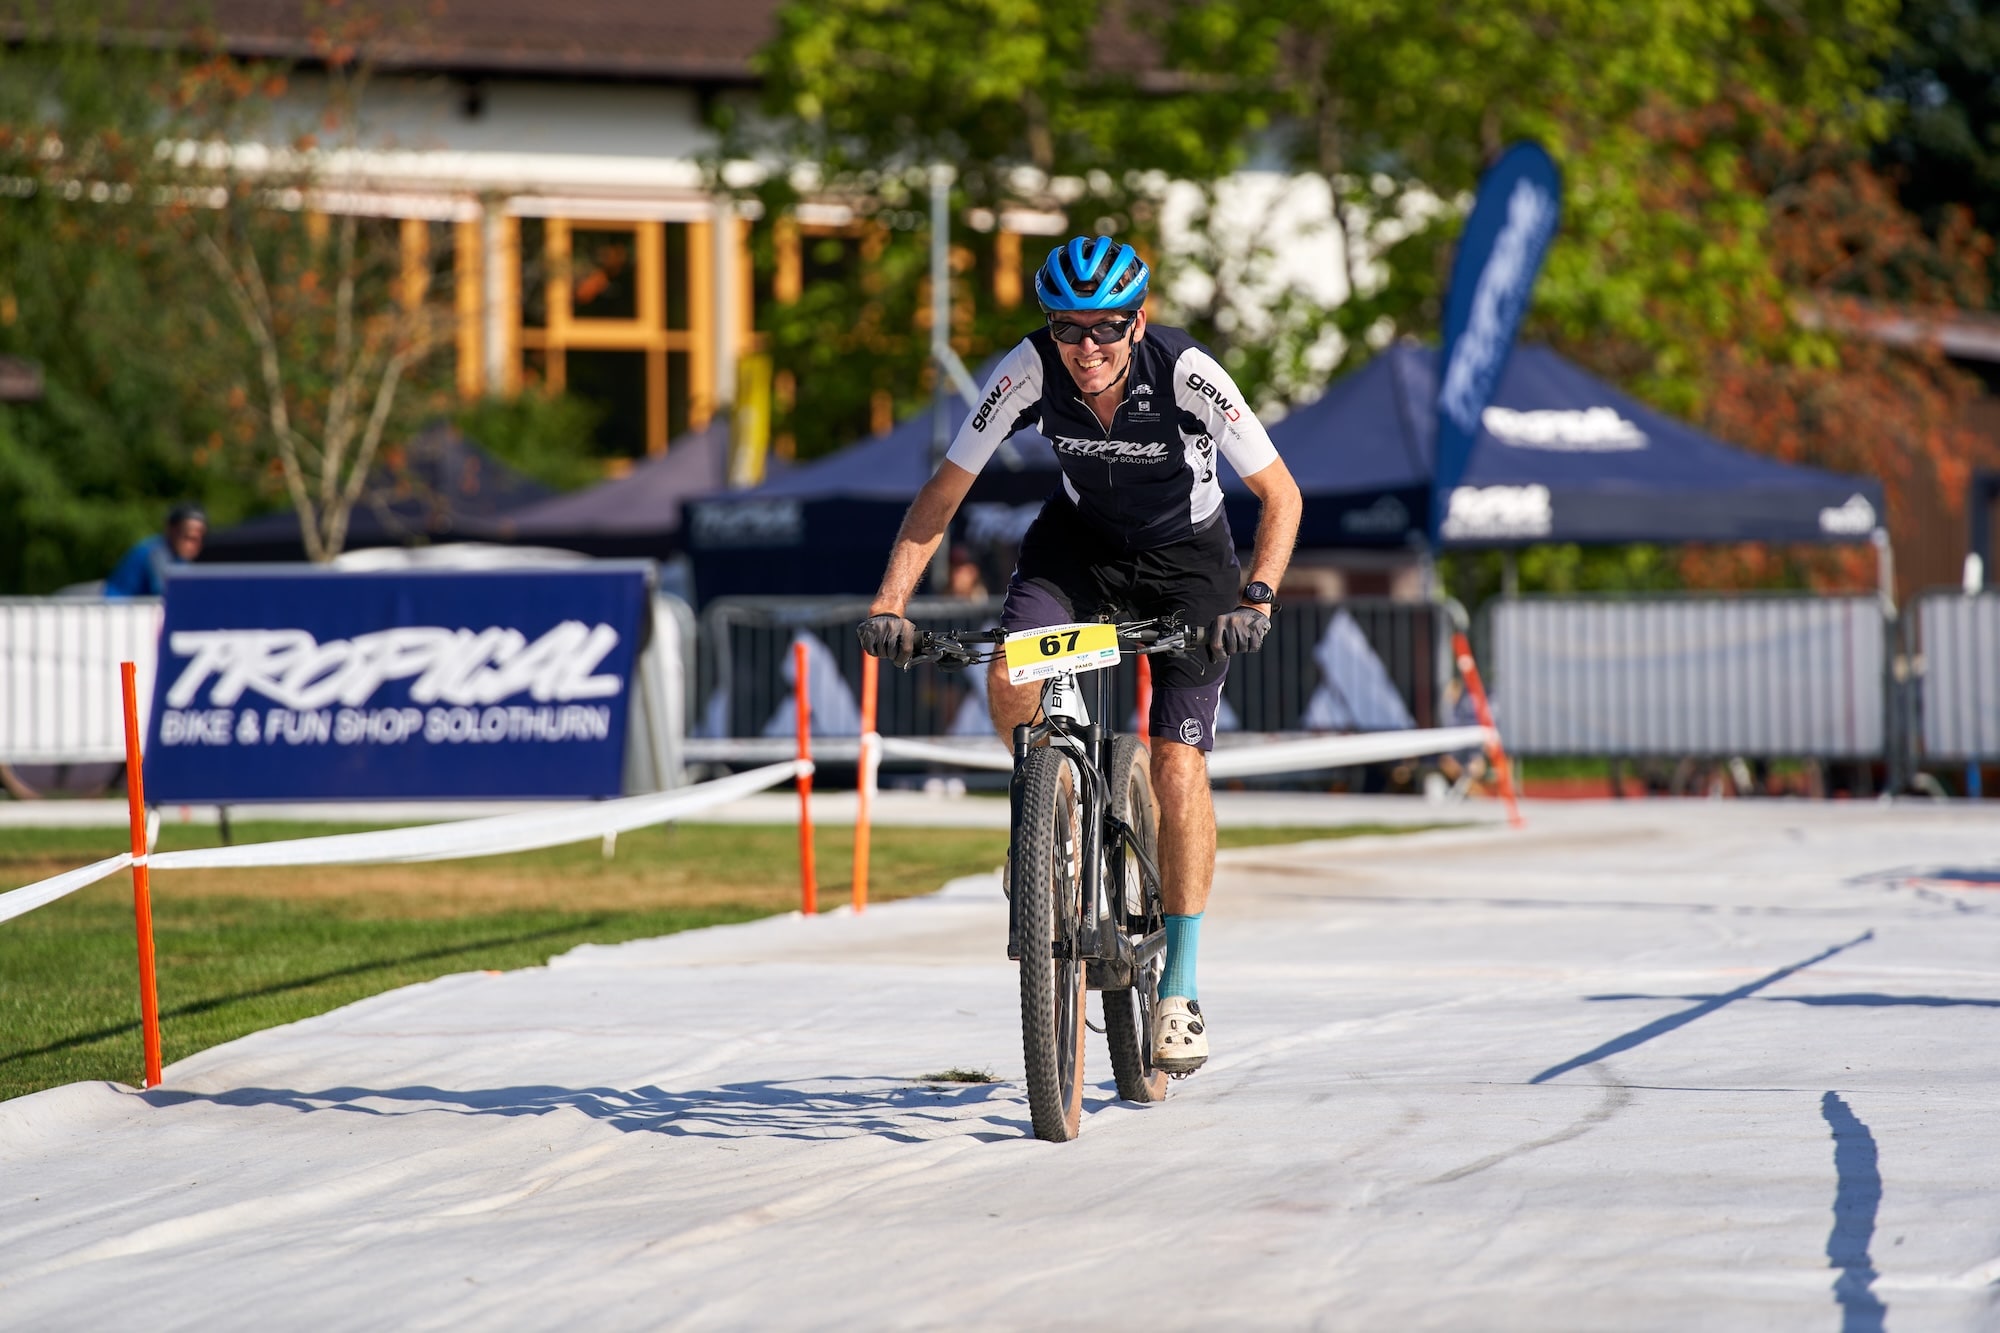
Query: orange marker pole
pixel 864 777
pixel 1145 708
pixel 142 889
pixel 808 882
pixel 1498 753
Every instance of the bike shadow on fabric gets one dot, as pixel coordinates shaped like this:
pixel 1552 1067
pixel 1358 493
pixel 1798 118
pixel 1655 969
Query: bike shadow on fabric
pixel 901 1110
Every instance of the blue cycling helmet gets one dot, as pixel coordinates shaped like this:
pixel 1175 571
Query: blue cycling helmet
pixel 1092 273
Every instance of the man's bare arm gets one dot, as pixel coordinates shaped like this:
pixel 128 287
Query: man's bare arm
pixel 923 528
pixel 1277 525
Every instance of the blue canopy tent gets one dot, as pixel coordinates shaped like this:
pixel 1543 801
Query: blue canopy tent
pixel 1562 457
pixel 638 514
pixel 825 527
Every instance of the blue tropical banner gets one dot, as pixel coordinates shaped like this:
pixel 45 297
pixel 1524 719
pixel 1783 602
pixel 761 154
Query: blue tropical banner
pixel 1499 255
pixel 277 683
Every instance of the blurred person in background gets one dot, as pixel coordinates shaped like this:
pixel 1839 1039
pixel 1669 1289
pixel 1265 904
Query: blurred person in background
pixel 965 579
pixel 143 571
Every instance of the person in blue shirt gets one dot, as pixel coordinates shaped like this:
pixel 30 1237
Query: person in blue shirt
pixel 143 571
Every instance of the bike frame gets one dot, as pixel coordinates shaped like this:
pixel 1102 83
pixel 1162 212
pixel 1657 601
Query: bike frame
pixel 1071 707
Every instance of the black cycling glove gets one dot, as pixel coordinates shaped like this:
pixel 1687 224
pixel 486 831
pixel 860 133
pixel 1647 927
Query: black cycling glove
pixel 1239 631
pixel 888 636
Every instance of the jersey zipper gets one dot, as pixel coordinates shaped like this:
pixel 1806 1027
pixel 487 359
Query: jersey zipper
pixel 1110 469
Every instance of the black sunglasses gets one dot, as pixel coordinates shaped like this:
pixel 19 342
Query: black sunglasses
pixel 1110 331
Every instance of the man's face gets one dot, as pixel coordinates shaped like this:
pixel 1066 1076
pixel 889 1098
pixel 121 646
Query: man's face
pixel 185 537
pixel 1096 367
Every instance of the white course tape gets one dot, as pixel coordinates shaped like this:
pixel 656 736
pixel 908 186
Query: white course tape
pixel 1372 747
pixel 496 835
pixel 1239 761
pixel 987 754
pixel 40 894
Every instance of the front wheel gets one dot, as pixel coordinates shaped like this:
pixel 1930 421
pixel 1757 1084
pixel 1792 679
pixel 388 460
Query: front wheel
pixel 1128 1013
pixel 1047 880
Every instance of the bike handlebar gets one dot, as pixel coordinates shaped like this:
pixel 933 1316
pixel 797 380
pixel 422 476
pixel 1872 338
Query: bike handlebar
pixel 948 647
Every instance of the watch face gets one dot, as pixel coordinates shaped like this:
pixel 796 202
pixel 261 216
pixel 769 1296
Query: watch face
pixel 1259 592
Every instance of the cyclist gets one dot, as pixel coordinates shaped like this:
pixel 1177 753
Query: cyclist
pixel 1136 413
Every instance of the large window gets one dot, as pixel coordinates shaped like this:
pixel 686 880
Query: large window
pixel 621 313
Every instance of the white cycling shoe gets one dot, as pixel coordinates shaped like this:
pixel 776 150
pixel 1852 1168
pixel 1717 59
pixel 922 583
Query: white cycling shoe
pixel 1180 1043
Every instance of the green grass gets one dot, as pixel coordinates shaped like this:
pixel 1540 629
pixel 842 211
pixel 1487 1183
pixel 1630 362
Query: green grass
pixel 244 950
pixel 1227 838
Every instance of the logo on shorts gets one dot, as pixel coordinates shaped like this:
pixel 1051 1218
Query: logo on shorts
pixel 1191 731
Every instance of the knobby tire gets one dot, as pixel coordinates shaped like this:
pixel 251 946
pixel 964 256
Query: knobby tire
pixel 1128 1014
pixel 1048 890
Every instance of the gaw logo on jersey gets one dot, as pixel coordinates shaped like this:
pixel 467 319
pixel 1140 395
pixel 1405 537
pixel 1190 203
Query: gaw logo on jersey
pixel 992 401
pixel 1207 390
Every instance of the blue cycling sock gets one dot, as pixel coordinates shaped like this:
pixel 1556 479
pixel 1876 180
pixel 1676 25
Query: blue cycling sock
pixel 1183 939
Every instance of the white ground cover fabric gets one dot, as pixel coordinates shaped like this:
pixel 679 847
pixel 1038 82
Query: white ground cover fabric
pixel 1650 1065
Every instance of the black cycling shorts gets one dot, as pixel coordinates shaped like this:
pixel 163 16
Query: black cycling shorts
pixel 1069 572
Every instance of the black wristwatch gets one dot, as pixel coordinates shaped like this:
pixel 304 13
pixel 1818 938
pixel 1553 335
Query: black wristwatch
pixel 1260 593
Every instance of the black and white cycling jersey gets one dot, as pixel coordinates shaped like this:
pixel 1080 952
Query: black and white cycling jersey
pixel 1148 481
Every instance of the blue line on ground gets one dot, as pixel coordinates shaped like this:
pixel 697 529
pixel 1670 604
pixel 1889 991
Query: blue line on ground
pixel 1661 1026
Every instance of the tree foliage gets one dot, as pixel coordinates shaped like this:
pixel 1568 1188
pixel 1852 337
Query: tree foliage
pixel 1943 147
pixel 1026 105
pixel 1395 108
pixel 202 333
pixel 332 331
pixel 96 288
pixel 1724 241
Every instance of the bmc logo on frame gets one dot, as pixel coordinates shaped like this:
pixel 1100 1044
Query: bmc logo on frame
pixel 992 401
pixel 1207 390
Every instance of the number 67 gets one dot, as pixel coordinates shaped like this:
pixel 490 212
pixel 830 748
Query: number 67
pixel 1052 644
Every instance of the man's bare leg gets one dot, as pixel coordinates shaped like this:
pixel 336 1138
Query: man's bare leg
pixel 1010 705
pixel 1187 867
pixel 1187 826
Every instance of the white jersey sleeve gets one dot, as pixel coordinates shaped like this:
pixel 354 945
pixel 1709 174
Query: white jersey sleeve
pixel 1016 388
pixel 1202 387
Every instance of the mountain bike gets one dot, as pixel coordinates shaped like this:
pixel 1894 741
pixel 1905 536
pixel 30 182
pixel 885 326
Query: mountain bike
pixel 1083 881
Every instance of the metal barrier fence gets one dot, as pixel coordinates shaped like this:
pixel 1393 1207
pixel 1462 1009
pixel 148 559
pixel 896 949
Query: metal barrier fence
pixel 1956 647
pixel 1272 689
pixel 1751 676
pixel 745 644
pixel 59 687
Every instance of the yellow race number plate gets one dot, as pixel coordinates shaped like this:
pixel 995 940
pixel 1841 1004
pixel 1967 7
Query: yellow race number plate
pixel 1037 654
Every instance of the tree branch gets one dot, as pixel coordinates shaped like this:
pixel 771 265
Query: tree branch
pixel 347 370
pixel 371 439
pixel 244 295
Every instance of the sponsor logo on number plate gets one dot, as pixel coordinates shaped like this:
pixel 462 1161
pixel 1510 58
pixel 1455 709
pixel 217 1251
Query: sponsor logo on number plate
pixel 1037 654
